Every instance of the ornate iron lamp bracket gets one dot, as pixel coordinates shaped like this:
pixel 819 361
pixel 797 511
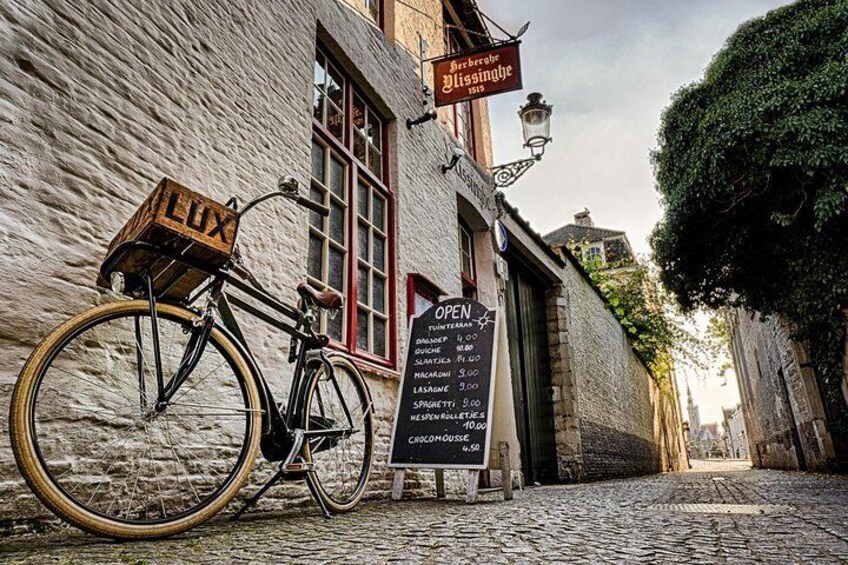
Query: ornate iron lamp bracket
pixel 505 175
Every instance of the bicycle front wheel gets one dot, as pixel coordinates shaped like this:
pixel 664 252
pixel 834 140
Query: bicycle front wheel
pixel 92 445
pixel 339 412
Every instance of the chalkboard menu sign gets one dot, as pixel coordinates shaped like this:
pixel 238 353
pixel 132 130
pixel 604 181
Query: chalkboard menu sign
pixel 443 416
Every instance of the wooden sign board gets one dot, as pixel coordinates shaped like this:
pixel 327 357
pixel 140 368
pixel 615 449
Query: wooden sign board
pixel 181 220
pixel 443 418
pixel 467 76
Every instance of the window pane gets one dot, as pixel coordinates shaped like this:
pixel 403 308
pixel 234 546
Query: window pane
pixel 379 252
pixel 337 223
pixel 363 289
pixel 363 241
pixel 335 86
pixel 375 162
pixel 314 257
pixel 335 121
pixel 335 267
pixel 466 253
pixel 377 217
pixel 337 178
pixel 318 72
pixel 375 131
pixel 422 303
pixel 359 146
pixel 379 302
pixel 373 7
pixel 362 196
pixel 316 195
pixel 317 162
pixel 334 326
pixel 379 337
pixel 358 113
pixel 318 105
pixel 466 265
pixel 362 329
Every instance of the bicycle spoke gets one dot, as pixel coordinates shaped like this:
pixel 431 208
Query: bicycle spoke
pixel 229 409
pixel 185 469
pixel 98 386
pixel 192 387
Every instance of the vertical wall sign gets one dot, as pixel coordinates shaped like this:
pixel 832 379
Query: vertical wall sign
pixel 467 76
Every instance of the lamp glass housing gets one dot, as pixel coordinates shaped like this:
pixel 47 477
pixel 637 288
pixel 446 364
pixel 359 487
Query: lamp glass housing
pixel 536 121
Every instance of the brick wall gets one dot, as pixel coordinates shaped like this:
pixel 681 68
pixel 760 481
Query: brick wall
pixel 614 420
pixel 611 419
pixel 784 416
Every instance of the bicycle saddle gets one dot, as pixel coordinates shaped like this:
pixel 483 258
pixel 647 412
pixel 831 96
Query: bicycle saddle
pixel 329 298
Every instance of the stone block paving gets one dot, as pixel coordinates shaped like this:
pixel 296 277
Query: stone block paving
pixel 788 518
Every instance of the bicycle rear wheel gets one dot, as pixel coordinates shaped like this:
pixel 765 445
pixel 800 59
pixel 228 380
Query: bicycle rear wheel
pixel 91 445
pixel 340 403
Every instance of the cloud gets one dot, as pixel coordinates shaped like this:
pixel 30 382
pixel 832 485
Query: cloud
pixel 609 68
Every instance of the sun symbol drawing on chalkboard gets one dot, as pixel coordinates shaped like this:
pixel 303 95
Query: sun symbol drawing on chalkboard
pixel 485 320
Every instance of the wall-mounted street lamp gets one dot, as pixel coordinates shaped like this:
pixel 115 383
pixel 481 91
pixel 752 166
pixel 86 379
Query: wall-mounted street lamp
pixel 456 155
pixel 536 126
pixel 423 118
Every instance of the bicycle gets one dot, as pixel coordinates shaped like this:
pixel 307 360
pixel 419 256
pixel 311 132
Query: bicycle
pixel 142 418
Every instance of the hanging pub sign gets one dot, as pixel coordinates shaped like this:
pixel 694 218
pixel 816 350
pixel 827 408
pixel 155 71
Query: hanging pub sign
pixel 467 76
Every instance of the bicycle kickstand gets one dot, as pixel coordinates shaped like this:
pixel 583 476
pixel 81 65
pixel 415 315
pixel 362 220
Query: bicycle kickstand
pixel 310 482
pixel 253 499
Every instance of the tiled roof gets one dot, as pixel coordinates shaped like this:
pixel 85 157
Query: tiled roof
pixel 573 232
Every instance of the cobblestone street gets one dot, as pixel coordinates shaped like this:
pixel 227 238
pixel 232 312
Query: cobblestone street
pixel 718 512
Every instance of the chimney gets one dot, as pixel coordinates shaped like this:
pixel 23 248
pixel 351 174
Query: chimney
pixel 582 218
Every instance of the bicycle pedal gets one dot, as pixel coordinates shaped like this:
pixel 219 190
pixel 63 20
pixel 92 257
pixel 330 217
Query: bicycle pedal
pixel 297 467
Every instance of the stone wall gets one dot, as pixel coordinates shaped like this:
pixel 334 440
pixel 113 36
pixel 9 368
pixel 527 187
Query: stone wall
pixel 623 422
pixel 102 100
pixel 611 419
pixel 784 416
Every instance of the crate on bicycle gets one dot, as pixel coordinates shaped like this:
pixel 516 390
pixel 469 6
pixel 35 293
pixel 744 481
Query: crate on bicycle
pixel 197 233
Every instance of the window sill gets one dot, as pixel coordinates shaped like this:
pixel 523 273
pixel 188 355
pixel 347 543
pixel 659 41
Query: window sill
pixel 382 368
pixel 373 369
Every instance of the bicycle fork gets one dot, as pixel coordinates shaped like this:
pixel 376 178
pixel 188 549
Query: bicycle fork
pixel 200 333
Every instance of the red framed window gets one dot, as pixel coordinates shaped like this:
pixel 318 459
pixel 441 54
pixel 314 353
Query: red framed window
pixel 352 251
pixel 460 116
pixel 467 268
pixel 421 293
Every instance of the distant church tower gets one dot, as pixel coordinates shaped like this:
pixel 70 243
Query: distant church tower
pixel 695 447
pixel 694 416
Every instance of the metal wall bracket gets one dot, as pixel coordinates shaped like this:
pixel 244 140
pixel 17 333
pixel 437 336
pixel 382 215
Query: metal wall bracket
pixel 505 175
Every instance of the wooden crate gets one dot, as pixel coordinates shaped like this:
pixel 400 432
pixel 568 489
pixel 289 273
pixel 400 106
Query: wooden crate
pixel 183 221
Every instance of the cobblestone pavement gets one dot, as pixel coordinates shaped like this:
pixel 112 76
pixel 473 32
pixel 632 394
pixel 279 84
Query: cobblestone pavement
pixel 715 513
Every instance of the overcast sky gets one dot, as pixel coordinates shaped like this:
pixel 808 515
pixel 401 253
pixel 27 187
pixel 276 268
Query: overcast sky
pixel 609 68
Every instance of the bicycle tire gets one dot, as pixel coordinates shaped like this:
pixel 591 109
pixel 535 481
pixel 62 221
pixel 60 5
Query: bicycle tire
pixel 47 487
pixel 326 480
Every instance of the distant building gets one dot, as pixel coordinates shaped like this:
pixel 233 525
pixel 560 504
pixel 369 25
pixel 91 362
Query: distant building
pixel 611 246
pixel 734 436
pixel 703 438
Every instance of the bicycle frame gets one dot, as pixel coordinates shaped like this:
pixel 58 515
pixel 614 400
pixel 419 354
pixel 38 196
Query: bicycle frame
pixel 306 349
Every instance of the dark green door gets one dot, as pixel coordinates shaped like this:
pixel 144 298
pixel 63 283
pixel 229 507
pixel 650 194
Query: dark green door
pixel 531 374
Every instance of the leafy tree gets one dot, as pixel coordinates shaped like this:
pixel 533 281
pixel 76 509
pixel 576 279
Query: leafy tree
pixel 752 167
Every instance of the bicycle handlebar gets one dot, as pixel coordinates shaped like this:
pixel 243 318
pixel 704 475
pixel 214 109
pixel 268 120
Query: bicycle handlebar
pixel 312 205
pixel 287 187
